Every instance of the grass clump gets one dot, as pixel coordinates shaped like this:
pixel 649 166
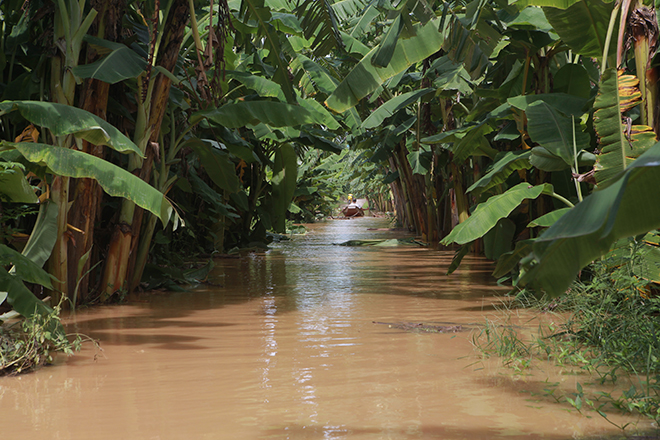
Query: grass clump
pixel 610 329
pixel 31 343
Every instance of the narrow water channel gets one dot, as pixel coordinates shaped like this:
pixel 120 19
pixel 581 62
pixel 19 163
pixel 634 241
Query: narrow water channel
pixel 284 346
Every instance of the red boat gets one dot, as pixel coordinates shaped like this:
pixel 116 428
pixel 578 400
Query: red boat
pixel 352 210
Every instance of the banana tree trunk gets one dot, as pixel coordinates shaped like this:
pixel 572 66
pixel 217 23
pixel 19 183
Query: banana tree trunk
pixel 86 193
pixel 70 25
pixel 122 253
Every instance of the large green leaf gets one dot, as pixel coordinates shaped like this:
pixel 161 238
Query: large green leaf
pixel 365 78
pixel 217 165
pixel 392 106
pixel 120 64
pixel 240 114
pixel 44 234
pixel 583 26
pixel 504 166
pixel 346 9
pixel 114 180
pixel 385 50
pixel 558 134
pixel 619 145
pixel 567 104
pixel 62 120
pixel 320 77
pixel 321 115
pixel 256 10
pixel 623 209
pixel 22 300
pixel 263 86
pixel 487 214
pixel 24 268
pixel 499 239
pixel 285 175
pixel 471 46
pixel 14 186
pixel 319 24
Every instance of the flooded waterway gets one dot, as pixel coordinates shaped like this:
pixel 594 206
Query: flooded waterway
pixel 284 346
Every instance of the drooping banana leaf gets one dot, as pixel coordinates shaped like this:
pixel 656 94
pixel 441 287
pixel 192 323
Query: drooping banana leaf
pixel 560 135
pixel 549 219
pixel 625 208
pixel 257 11
pixel 385 50
pixel 44 234
pixel 240 114
pixel 24 268
pixel 620 145
pixel 320 76
pixel 321 115
pixel 217 165
pixel 119 64
pixel 503 167
pixel 285 175
pixel 319 23
pixel 582 26
pixel 346 9
pixel 508 261
pixel 263 86
pixel 499 239
pixel 392 106
pixel 470 46
pixel 114 180
pixel 365 78
pixel 22 300
pixel 64 119
pixel 14 186
pixel 487 214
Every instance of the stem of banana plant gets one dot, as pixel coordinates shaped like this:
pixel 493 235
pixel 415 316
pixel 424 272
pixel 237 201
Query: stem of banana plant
pixel 578 190
pixel 562 199
pixel 608 38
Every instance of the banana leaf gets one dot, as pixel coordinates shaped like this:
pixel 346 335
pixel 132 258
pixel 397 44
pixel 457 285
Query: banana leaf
pixel 503 167
pixel 114 180
pixel 471 46
pixel 285 176
pixel 62 120
pixel 15 188
pixel 257 11
pixel 20 297
pixel 218 166
pixel 561 136
pixel 487 214
pixel 240 114
pixel 263 86
pixel 365 78
pixel 582 26
pixel 548 219
pixel 619 144
pixel 119 64
pixel 392 106
pixel 625 208
pixel 320 76
pixel 23 267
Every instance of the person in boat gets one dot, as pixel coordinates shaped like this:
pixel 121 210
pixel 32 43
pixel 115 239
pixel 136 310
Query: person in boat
pixel 350 199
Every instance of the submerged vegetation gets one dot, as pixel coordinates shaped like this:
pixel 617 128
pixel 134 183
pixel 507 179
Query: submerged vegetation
pixel 140 139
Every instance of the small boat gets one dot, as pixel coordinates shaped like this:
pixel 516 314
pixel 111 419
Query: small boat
pixel 352 210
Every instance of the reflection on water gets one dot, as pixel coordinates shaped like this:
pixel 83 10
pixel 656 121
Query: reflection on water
pixel 285 348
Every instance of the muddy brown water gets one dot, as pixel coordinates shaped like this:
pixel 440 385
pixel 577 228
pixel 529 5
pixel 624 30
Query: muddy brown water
pixel 284 347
